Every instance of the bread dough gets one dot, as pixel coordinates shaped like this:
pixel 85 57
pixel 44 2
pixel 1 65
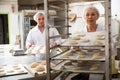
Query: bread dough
pixel 81 34
pixel 1 70
pixel 81 53
pixel 10 71
pixel 40 68
pixel 2 73
pixel 76 38
pixel 76 68
pixel 43 62
pixel 94 68
pixel 17 68
pixel 96 43
pixel 85 40
pixel 100 35
pixel 34 64
pixel 72 42
pixel 80 56
pixel 21 71
pixel 96 56
pixel 100 38
pixel 68 63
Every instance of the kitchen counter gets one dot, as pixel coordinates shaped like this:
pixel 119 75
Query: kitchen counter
pixel 8 59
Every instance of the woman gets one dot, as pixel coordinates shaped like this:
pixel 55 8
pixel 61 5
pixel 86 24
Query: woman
pixel 91 15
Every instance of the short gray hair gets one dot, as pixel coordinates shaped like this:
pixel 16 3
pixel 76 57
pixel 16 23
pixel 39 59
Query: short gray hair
pixel 37 15
pixel 90 7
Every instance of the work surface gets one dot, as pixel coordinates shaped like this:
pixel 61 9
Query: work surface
pixel 8 59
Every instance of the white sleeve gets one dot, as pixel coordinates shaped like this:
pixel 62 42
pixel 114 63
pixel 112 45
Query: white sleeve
pixel 29 40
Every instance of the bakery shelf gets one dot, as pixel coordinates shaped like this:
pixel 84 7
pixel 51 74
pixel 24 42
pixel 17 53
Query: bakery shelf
pixel 84 67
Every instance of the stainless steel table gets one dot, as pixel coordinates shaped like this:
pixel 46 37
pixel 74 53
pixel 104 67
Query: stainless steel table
pixel 6 58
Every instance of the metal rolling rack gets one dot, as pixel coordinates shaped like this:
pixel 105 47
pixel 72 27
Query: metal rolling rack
pixel 61 10
pixel 107 71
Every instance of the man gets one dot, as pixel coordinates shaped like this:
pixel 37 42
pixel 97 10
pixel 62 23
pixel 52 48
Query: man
pixel 36 36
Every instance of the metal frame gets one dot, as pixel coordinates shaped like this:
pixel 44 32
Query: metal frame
pixel 108 38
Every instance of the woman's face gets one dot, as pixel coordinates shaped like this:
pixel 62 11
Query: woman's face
pixel 91 16
pixel 40 21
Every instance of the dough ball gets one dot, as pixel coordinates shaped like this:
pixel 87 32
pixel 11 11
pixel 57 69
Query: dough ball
pixel 96 43
pixel 75 37
pixel 2 73
pixel 72 42
pixel 52 64
pixel 17 68
pixel 85 40
pixel 21 71
pixel 76 68
pixel 68 63
pixel 96 56
pixel 80 56
pixel 93 67
pixel 81 34
pixel 100 38
pixel 34 64
pixel 10 71
pixel 81 53
pixel 100 35
pixel 43 62
pixel 1 70
pixel 40 68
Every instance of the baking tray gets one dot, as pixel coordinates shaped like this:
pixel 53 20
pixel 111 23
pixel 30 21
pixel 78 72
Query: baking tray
pixel 84 69
pixel 42 73
pixel 11 70
pixel 88 56
pixel 91 36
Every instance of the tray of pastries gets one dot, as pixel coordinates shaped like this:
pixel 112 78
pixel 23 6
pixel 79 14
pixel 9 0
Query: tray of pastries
pixel 38 68
pixel 86 39
pixel 13 69
pixel 35 50
pixel 73 54
pixel 81 66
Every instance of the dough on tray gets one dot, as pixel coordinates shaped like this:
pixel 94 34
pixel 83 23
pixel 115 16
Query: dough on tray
pixel 75 37
pixel 97 43
pixel 76 68
pixel 2 73
pixel 81 53
pixel 84 40
pixel 93 68
pixel 81 34
pixel 97 56
pixel 34 64
pixel 44 63
pixel 40 68
pixel 72 42
pixel 81 56
pixel 10 71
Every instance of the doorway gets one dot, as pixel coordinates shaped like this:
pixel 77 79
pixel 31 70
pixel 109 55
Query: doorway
pixel 4 33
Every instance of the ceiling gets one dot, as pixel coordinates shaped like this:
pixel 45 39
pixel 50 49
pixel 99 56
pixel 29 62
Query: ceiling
pixel 33 4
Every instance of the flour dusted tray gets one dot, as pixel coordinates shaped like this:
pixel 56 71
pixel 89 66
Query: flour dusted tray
pixel 84 55
pixel 90 39
pixel 11 70
pixel 36 73
pixel 82 67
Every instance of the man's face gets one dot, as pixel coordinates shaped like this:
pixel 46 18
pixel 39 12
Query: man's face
pixel 40 21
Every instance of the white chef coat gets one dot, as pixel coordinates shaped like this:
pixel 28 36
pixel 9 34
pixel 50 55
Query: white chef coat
pixel 37 38
pixel 99 28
